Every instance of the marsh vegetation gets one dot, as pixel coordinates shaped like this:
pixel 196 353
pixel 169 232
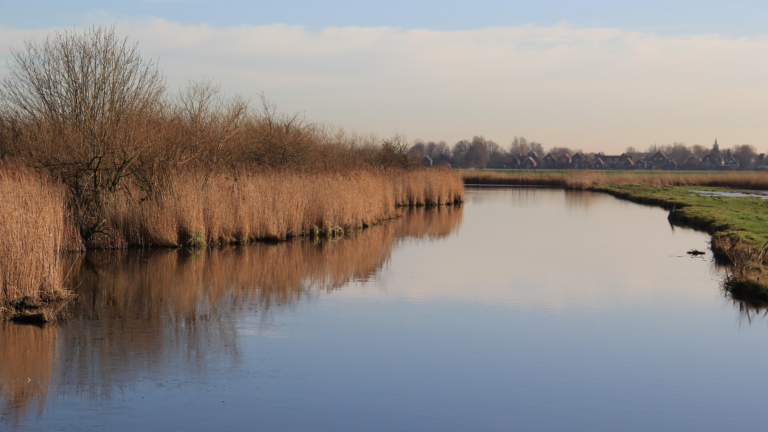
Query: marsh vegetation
pixel 97 152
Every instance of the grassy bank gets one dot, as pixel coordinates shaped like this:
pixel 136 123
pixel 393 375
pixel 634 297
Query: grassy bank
pixel 738 225
pixel 571 179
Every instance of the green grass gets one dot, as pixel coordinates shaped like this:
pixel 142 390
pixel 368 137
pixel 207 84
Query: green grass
pixel 745 218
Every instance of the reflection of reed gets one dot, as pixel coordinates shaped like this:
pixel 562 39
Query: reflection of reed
pixel 27 355
pixel 167 312
pixel 432 224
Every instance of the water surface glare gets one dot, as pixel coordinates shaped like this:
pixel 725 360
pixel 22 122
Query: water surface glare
pixel 524 309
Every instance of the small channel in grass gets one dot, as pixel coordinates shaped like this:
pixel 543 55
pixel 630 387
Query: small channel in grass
pixel 523 309
pixel 732 194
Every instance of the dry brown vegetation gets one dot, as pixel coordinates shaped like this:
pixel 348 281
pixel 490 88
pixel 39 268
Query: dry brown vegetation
pixel 587 179
pixel 33 230
pixel 116 160
pixel 244 205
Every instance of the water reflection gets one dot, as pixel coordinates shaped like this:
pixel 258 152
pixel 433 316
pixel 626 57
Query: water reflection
pixel 27 358
pixel 170 312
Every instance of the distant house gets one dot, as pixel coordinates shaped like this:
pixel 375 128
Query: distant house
pixel 426 161
pixel 671 165
pixel 730 162
pixel 579 161
pixel 599 164
pixel 564 161
pixel 530 163
pixel 641 164
pixel 550 161
pixel 658 160
pixel 627 164
pixel 614 161
pixel 691 163
pixel 712 161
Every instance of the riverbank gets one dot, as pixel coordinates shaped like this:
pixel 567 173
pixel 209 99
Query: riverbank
pixel 738 225
pixel 38 222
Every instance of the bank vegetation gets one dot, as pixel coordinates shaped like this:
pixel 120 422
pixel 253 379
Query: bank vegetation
pixel 97 152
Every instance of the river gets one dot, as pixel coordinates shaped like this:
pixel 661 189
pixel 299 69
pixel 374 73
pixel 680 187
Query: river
pixel 524 309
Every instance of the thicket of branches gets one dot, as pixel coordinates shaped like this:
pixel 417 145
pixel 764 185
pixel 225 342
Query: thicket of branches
pixel 89 110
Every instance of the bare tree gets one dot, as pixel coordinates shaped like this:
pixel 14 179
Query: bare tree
pixel 745 154
pixel 84 106
pixel 394 152
pixel 280 140
pixel 519 146
pixel 459 151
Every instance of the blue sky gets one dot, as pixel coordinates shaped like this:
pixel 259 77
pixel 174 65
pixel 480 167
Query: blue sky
pixel 735 17
pixel 595 75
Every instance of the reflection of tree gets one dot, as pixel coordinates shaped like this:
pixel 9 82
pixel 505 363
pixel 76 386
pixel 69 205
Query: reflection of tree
pixel 177 311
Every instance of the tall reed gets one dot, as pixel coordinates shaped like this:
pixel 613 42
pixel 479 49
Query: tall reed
pixel 243 205
pixel 32 229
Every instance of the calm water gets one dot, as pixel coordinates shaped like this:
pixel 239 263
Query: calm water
pixel 525 309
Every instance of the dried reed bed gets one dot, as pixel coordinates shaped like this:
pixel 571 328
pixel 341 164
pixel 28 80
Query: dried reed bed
pixel 32 229
pixel 587 179
pixel 27 358
pixel 243 205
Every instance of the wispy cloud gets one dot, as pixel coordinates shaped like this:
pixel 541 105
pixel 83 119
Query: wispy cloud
pixel 586 87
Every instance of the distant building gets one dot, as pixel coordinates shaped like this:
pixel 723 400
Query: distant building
pixel 599 164
pixel 549 161
pixel 658 160
pixel 714 160
pixel 426 161
pixel 530 163
pixel 670 165
pixel 691 163
pixel 579 161
pixel 564 161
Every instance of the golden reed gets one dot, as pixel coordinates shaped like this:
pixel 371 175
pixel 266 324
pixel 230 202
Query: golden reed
pixel 195 210
pixel 242 206
pixel 33 229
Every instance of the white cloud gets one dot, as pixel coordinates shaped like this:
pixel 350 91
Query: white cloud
pixel 581 87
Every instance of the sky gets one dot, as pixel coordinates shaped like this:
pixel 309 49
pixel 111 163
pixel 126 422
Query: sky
pixel 595 75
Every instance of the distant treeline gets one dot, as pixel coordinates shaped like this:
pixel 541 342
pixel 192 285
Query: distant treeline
pixel 483 153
